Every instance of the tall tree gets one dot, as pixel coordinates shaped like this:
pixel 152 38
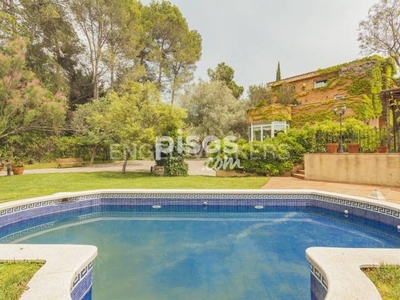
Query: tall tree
pixel 212 109
pixel 380 31
pixel 94 19
pixel 53 45
pixel 25 105
pixel 123 44
pixel 171 50
pixel 225 73
pixel 182 67
pixel 278 72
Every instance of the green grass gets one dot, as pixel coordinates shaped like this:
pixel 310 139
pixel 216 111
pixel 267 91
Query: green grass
pixel 27 186
pixel 14 276
pixel 387 280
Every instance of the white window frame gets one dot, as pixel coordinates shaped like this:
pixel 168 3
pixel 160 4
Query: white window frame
pixel 320 83
pixel 270 126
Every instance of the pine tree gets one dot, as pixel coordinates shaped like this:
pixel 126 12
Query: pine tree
pixel 278 72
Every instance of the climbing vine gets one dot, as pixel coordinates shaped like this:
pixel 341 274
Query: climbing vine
pixel 274 112
pixel 362 80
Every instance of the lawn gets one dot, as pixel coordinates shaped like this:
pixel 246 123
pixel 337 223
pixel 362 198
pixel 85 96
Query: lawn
pixel 14 276
pixel 387 281
pixel 27 186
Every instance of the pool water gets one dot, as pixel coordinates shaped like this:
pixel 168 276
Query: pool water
pixel 205 252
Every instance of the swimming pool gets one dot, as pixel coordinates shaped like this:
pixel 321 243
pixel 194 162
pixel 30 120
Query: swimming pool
pixel 220 245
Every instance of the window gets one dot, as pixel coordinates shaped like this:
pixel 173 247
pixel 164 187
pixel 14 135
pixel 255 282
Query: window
pixel 260 132
pixel 320 83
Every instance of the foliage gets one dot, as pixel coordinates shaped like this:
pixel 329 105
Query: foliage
pixel 273 112
pixel 328 131
pixel 174 161
pixel 95 20
pixel 175 165
pixel 212 110
pixel 285 94
pixel 91 125
pixel 74 182
pixel 17 162
pixel 271 157
pixel 136 116
pixel 171 49
pixel 15 277
pixel 225 73
pixel 25 105
pixel 259 95
pixel 379 33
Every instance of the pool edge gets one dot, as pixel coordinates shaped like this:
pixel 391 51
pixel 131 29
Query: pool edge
pixel 337 286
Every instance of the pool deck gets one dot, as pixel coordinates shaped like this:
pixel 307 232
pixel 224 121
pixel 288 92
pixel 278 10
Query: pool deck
pixel 391 194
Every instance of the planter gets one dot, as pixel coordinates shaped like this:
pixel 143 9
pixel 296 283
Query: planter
pixel 18 170
pixel 382 149
pixel 332 147
pixel 353 147
pixel 158 170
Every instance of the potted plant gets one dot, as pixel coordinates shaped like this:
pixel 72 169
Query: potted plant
pixel 353 147
pixel 332 147
pixel 382 149
pixel 17 167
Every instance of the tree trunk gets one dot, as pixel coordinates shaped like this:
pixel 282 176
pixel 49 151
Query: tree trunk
pixel 93 154
pixel 127 155
pixel 173 95
pixel 95 84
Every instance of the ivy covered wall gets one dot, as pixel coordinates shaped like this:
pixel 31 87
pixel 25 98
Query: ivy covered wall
pixel 358 83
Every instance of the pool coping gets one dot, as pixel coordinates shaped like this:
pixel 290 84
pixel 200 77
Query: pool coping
pixel 63 264
pixel 342 269
pixel 331 265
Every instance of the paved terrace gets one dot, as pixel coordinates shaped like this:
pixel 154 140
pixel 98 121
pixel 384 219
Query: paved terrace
pixel 391 194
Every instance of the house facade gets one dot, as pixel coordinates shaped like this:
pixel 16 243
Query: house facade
pixel 356 84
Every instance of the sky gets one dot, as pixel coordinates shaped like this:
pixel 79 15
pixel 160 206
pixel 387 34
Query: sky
pixel 252 36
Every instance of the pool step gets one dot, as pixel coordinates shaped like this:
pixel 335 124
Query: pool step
pixel 300 174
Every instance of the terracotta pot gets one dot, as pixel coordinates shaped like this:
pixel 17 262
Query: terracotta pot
pixel 332 147
pixel 382 149
pixel 353 147
pixel 18 170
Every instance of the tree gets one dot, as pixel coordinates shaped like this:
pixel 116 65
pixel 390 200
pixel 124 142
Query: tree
pixel 139 116
pixel 94 19
pixel 52 43
pixel 123 44
pixel 380 32
pixel 285 94
pixel 225 73
pixel 182 67
pixel 171 50
pixel 25 105
pixel 278 72
pixel 259 95
pixel 212 109
pixel 91 125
